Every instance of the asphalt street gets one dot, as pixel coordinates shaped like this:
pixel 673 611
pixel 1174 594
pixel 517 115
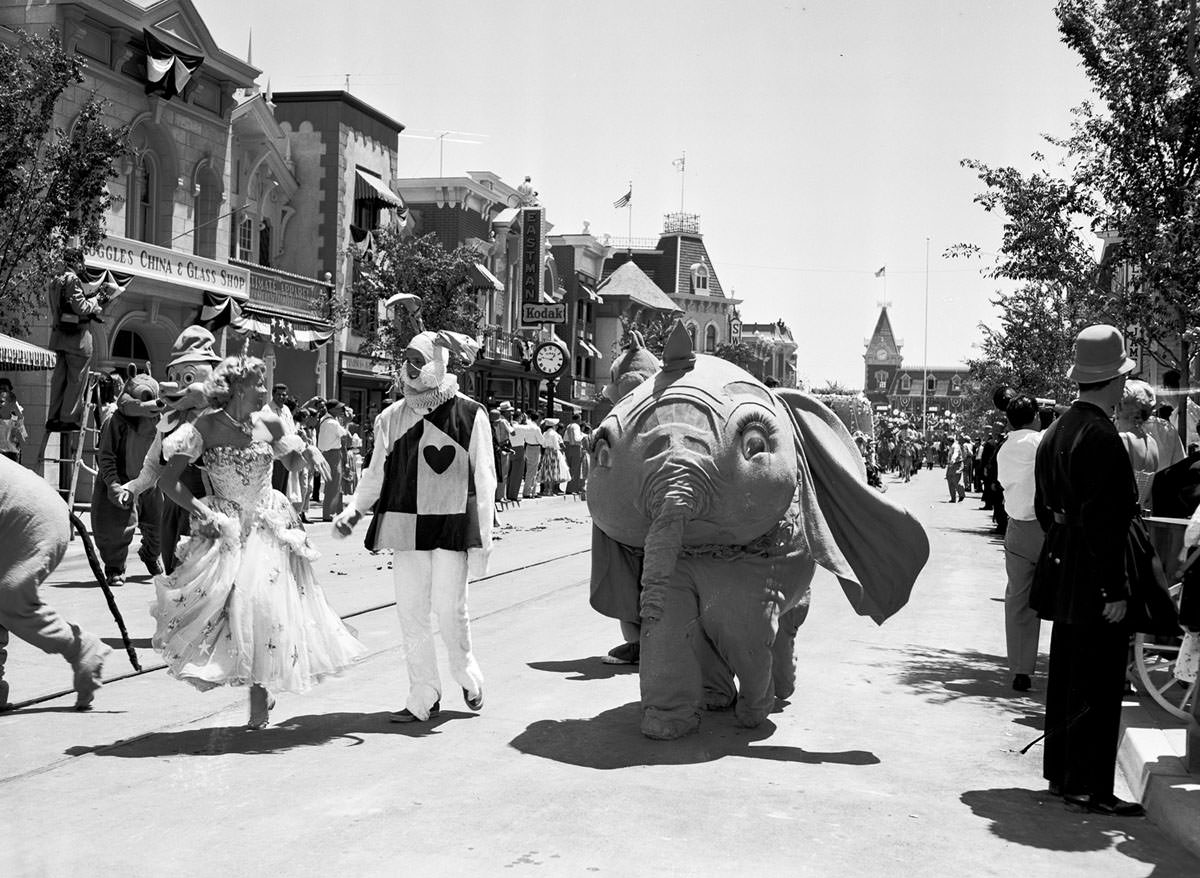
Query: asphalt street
pixel 897 755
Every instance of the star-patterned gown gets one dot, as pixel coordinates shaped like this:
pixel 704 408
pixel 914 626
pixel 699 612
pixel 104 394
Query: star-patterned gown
pixel 244 606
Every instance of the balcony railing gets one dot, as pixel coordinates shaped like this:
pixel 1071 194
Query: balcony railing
pixel 500 345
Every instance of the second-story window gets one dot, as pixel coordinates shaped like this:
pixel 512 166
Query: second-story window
pixel 905 383
pixel 264 243
pixel 143 184
pixel 700 279
pixel 245 239
pixel 881 380
pixel 931 384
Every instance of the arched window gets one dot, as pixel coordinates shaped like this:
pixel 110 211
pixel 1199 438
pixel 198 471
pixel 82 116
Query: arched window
pixel 956 384
pixel 143 184
pixel 905 383
pixel 699 273
pixel 264 243
pixel 710 339
pixel 128 345
pixel 881 380
pixel 931 384
pixel 245 239
pixel 692 332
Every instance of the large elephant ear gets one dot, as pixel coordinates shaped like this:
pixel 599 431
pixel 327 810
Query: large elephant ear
pixel 616 578
pixel 874 546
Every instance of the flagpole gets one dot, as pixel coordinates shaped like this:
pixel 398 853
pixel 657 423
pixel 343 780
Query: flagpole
pixel 629 207
pixel 682 177
pixel 925 356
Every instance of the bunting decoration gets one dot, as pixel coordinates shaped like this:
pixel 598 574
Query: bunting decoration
pixel 363 242
pixel 167 71
pixel 219 311
pixel 95 278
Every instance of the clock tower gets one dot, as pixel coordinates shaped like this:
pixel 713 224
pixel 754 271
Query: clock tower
pixel 883 360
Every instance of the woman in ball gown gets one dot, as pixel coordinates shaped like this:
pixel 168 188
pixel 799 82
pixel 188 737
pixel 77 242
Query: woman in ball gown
pixel 243 608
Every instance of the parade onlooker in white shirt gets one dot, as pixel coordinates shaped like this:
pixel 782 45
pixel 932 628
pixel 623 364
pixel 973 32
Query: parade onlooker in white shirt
pixel 331 442
pixel 277 406
pixel 1022 539
pixel 531 437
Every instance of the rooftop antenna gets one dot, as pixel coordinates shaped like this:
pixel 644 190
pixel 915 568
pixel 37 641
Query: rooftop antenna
pixel 442 137
pixel 347 86
pixel 681 166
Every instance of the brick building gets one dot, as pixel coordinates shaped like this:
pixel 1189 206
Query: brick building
pixel 892 384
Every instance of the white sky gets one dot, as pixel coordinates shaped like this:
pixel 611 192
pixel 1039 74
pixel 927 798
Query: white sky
pixel 823 138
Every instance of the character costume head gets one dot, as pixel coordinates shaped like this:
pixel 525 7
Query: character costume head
pixel 139 398
pixel 191 365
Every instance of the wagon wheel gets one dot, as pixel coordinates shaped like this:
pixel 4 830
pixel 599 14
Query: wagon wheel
pixel 1154 660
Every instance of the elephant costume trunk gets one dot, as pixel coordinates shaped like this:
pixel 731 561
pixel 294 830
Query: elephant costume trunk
pixel 663 543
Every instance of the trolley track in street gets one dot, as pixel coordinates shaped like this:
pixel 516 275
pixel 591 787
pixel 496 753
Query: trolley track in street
pixel 130 675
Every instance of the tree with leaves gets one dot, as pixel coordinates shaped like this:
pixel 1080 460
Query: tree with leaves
pixel 1131 173
pixel 740 354
pixel 52 182
pixel 420 267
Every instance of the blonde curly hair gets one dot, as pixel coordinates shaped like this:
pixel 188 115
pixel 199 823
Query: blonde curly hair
pixel 1138 399
pixel 231 373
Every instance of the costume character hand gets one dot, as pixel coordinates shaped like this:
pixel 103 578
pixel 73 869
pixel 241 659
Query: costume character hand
pixel 344 522
pixel 120 496
pixel 1114 611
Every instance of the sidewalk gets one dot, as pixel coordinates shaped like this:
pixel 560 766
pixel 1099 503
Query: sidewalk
pixel 1151 757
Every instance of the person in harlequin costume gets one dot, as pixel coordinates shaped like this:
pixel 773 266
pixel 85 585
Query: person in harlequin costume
pixel 126 437
pixel 431 483
pixel 191 365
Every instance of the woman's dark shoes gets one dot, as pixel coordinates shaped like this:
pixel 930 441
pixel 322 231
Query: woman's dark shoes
pixel 407 716
pixel 1109 805
pixel 475 703
pixel 1021 683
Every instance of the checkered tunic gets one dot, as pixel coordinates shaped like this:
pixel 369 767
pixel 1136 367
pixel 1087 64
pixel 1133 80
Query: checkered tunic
pixel 431 479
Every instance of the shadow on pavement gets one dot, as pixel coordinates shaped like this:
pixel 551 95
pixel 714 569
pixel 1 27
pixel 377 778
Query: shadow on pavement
pixel 298 731
pixel 135 642
pixel 947 675
pixel 590 668
pixel 613 739
pixel 1035 818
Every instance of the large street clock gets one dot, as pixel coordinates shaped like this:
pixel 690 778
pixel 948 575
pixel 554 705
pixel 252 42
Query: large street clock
pixel 549 359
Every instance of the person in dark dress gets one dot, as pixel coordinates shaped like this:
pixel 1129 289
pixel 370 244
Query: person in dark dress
pixel 1085 498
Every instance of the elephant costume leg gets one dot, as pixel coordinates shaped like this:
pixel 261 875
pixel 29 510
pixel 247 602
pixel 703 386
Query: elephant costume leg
pixel 669 673
pixel 741 619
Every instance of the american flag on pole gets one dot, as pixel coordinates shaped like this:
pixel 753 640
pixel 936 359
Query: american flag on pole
pixel 882 271
pixel 624 200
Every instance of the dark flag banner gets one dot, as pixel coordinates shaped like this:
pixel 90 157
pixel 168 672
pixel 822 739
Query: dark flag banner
pixel 167 71
pixel 94 278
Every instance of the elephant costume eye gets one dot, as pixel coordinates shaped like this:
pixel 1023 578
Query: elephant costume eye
pixel 756 434
pixel 601 448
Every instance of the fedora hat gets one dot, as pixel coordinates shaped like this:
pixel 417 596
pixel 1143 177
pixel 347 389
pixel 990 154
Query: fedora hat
pixel 194 345
pixel 1099 355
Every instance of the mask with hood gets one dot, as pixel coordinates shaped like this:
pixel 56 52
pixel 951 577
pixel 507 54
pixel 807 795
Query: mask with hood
pixel 428 385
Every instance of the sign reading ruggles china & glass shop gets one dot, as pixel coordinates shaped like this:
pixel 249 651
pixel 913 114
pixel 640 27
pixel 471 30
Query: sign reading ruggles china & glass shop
pixel 173 266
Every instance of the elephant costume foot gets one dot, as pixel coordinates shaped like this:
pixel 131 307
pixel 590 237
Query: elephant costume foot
pixel 667 725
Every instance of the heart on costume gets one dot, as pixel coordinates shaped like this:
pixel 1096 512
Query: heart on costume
pixel 439 459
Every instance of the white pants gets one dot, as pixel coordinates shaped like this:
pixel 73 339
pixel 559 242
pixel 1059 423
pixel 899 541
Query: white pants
pixel 436 581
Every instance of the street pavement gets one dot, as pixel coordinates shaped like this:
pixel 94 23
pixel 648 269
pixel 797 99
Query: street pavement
pixel 897 755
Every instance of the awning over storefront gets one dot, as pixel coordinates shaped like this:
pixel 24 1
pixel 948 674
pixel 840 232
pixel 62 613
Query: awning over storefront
pixel 562 404
pixel 589 349
pixel 17 355
pixel 286 332
pixel 484 279
pixel 589 291
pixel 368 188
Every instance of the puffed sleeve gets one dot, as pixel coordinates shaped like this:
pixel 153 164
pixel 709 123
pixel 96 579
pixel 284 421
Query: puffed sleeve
pixel 186 440
pixel 289 443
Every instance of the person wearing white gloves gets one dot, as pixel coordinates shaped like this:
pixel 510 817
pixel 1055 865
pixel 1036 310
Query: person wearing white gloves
pixel 431 483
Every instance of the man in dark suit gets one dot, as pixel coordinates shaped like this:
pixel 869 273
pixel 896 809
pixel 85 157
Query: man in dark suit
pixel 1085 498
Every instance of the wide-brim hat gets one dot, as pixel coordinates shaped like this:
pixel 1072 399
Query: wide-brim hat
pixel 1100 355
pixel 194 345
pixel 505 407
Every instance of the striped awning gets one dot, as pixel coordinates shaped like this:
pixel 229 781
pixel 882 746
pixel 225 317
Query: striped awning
pixel 590 292
pixel 17 355
pixel 372 189
pixel 588 349
pixel 483 279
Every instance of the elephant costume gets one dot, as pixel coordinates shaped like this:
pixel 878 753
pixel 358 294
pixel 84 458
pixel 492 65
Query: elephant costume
pixel 713 499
